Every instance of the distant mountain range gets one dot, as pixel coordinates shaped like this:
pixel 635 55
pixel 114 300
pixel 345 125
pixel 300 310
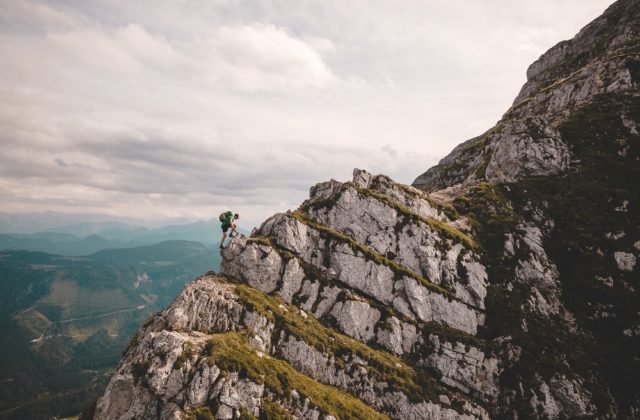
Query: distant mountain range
pixel 73 289
pixel 50 221
pixel 64 321
pixel 88 237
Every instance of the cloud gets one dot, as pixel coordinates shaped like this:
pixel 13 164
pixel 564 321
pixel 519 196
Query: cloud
pixel 248 58
pixel 139 168
pixel 264 57
pixel 182 109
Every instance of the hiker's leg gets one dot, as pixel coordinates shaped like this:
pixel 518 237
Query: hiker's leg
pixel 224 236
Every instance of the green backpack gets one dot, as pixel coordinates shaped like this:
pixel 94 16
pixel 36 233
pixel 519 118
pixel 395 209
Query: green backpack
pixel 224 215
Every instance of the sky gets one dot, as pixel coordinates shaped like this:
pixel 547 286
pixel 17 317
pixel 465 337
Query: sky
pixel 179 109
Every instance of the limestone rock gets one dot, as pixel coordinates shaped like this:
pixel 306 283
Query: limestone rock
pixel 164 373
pixel 527 147
pixel 356 319
pixel 626 261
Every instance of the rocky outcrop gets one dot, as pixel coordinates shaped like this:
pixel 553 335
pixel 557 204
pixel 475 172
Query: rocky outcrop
pixel 529 147
pixel 368 287
pixel 231 349
pixel 604 58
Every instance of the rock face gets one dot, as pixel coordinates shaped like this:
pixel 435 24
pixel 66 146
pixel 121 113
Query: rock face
pixel 552 194
pixel 602 60
pixel 504 287
pixel 364 302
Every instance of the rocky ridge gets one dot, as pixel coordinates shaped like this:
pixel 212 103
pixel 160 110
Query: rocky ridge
pixel 368 293
pixel 552 196
pixel 602 59
pixel 505 289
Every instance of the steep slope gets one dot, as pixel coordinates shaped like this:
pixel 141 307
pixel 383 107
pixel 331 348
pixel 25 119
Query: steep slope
pixel 600 64
pixel 365 302
pixel 505 289
pixel 552 193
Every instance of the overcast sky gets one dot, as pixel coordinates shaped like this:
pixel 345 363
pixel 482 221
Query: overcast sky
pixel 183 108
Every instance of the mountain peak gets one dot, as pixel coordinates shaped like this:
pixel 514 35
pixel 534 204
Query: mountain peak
pixel 612 34
pixel 601 61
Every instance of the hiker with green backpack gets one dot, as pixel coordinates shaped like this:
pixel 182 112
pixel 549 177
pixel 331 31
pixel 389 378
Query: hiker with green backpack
pixel 227 219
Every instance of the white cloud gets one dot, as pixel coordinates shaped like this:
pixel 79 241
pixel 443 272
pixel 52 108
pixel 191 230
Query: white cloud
pixel 180 109
pixel 264 57
pixel 248 58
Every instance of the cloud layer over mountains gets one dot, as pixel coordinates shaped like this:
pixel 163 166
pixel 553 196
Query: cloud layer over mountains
pixel 156 109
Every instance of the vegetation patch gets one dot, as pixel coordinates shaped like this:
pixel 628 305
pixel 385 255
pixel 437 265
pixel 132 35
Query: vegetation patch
pixel 271 410
pixel 139 371
pixel 231 352
pixel 262 240
pixel 383 366
pixel 246 415
pixel 492 217
pixel 199 413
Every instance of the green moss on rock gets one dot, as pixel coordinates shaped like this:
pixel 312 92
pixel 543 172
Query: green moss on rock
pixel 231 352
pixel 384 366
pixel 199 413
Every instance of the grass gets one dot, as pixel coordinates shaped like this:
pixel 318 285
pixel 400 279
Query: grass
pixel 372 255
pixel 199 413
pixel 271 410
pixel 491 215
pixel 262 240
pixel 382 365
pixel 231 352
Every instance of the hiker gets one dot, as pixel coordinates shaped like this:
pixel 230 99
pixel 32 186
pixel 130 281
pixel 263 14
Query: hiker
pixel 227 219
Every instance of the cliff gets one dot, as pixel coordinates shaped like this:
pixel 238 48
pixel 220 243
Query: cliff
pixel 503 286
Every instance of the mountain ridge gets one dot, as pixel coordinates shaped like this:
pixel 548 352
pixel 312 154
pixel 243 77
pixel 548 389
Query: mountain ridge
pixel 503 287
pixel 526 141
